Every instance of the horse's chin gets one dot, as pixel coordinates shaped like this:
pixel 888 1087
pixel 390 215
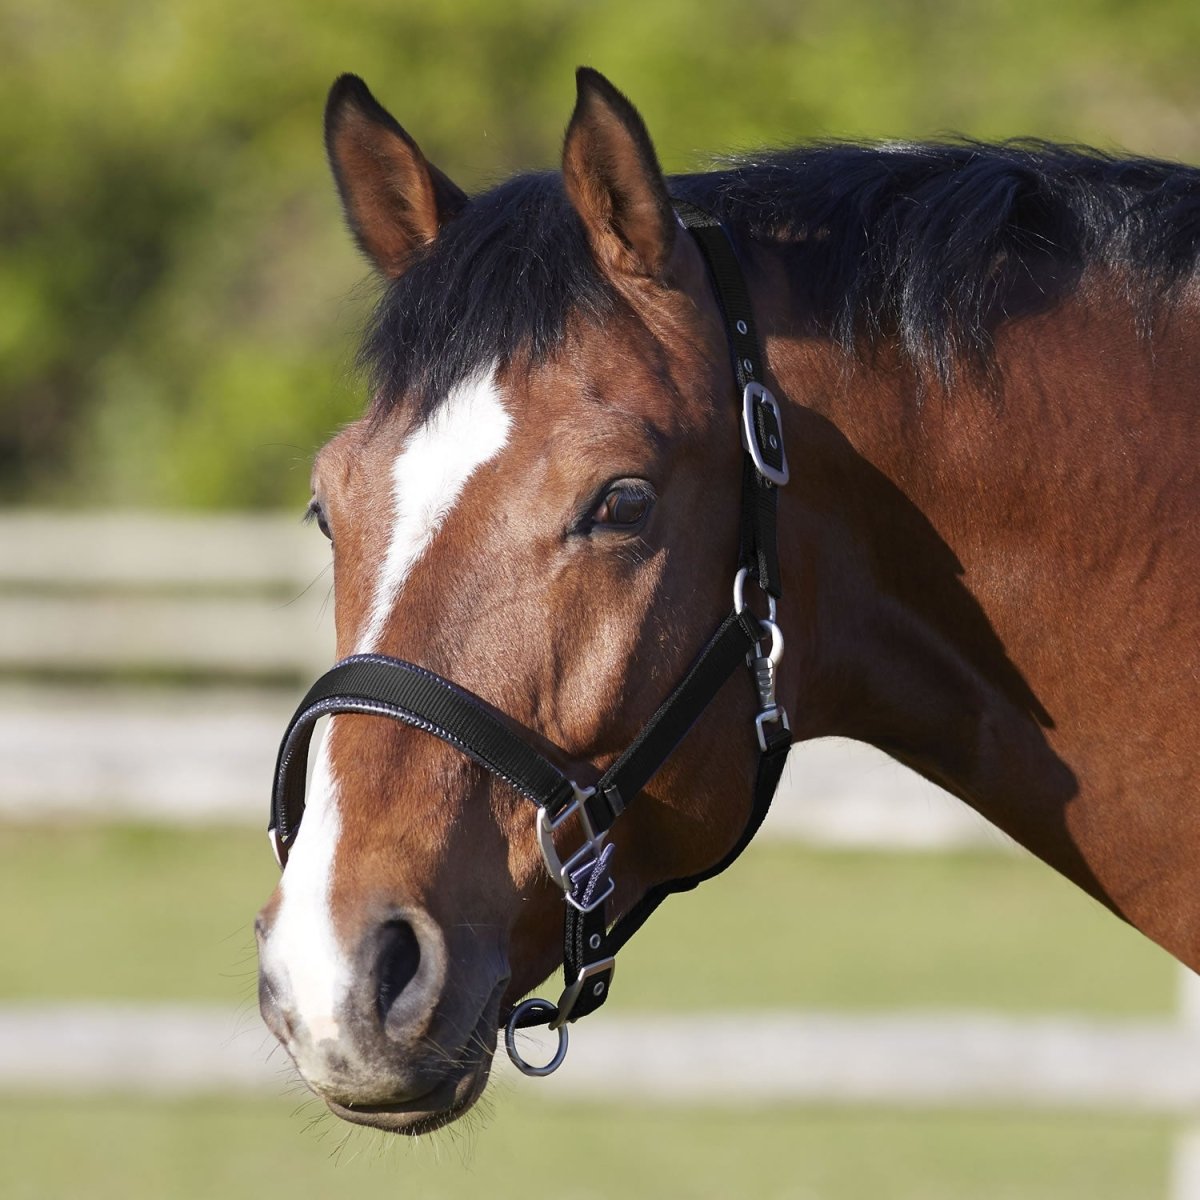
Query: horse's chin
pixel 436 1109
pixel 445 1102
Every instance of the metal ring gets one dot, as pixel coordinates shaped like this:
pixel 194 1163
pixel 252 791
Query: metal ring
pixel 739 594
pixel 776 651
pixel 510 1039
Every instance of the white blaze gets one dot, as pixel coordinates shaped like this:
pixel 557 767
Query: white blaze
pixel 303 954
pixel 304 957
pixel 428 476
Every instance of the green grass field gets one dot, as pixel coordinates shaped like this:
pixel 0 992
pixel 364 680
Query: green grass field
pixel 151 914
pixel 225 1149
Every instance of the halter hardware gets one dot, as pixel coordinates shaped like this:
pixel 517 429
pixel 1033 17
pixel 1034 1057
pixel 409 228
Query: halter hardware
pixel 548 825
pixel 764 666
pixel 521 1020
pixel 602 970
pixel 762 433
pixel 382 686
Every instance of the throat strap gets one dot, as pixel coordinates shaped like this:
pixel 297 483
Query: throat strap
pixel 590 950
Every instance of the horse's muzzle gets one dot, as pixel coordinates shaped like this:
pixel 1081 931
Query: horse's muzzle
pixel 380 1036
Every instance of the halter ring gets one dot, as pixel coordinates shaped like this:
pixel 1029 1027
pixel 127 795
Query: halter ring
pixel 510 1039
pixel 739 594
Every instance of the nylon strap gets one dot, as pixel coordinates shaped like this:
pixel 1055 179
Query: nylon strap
pixel 588 944
pixel 384 686
pixel 377 684
pixel 759 541
pixel 737 635
pixel 586 940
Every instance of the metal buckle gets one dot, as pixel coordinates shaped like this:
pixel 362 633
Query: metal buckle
pixel 754 394
pixel 595 904
pixel 763 665
pixel 773 716
pixel 583 875
pixel 562 869
pixel 571 993
pixel 770 711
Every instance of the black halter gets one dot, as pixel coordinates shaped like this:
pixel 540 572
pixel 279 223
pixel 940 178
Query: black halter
pixel 384 686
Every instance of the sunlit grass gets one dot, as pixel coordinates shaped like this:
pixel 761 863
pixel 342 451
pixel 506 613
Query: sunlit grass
pixel 234 1149
pixel 155 914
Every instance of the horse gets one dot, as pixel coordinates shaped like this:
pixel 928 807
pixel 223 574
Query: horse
pixel 986 363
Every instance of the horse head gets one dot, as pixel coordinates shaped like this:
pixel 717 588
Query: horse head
pixel 542 505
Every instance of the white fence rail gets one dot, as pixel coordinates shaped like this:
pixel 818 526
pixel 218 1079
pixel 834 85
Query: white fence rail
pixel 203 757
pixel 235 598
pixel 917 1061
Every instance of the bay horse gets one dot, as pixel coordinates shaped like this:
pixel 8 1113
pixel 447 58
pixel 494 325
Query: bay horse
pixel 986 359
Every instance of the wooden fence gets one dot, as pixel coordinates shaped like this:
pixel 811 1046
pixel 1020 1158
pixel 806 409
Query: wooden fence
pixel 148 665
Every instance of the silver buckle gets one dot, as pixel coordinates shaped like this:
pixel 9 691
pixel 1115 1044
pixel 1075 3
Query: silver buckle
pixel 586 869
pixel 571 994
pixel 754 393
pixel 562 869
pixel 770 712
pixel 773 716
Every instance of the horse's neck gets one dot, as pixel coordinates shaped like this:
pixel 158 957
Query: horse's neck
pixel 960 571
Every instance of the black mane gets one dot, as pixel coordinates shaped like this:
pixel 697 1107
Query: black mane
pixel 501 279
pixel 931 243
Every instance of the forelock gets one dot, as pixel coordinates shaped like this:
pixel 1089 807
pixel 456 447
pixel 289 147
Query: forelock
pixel 500 282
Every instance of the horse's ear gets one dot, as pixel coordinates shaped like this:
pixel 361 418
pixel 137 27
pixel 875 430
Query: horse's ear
pixel 614 181
pixel 394 199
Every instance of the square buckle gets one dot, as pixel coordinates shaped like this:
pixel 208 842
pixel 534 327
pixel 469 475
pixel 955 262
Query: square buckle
pixel 755 399
pixel 770 716
pixel 570 996
pixel 561 869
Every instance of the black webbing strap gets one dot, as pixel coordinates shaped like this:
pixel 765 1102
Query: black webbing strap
pixel 759 549
pixel 589 947
pixel 736 637
pixel 585 932
pixel 383 686
pixel 770 768
pixel 588 944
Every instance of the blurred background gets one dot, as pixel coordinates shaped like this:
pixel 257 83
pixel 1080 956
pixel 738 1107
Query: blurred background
pixel 178 314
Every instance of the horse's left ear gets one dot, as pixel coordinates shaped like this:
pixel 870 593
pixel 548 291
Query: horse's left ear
pixel 614 181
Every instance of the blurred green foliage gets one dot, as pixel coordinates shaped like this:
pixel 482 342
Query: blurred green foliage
pixel 178 302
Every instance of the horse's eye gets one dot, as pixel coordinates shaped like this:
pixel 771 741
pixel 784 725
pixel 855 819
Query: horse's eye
pixel 317 513
pixel 623 507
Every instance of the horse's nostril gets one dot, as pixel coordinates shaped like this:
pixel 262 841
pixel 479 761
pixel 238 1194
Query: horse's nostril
pixel 399 958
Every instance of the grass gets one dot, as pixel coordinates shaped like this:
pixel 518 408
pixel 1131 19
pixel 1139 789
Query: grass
pixel 156 914
pixel 234 1149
